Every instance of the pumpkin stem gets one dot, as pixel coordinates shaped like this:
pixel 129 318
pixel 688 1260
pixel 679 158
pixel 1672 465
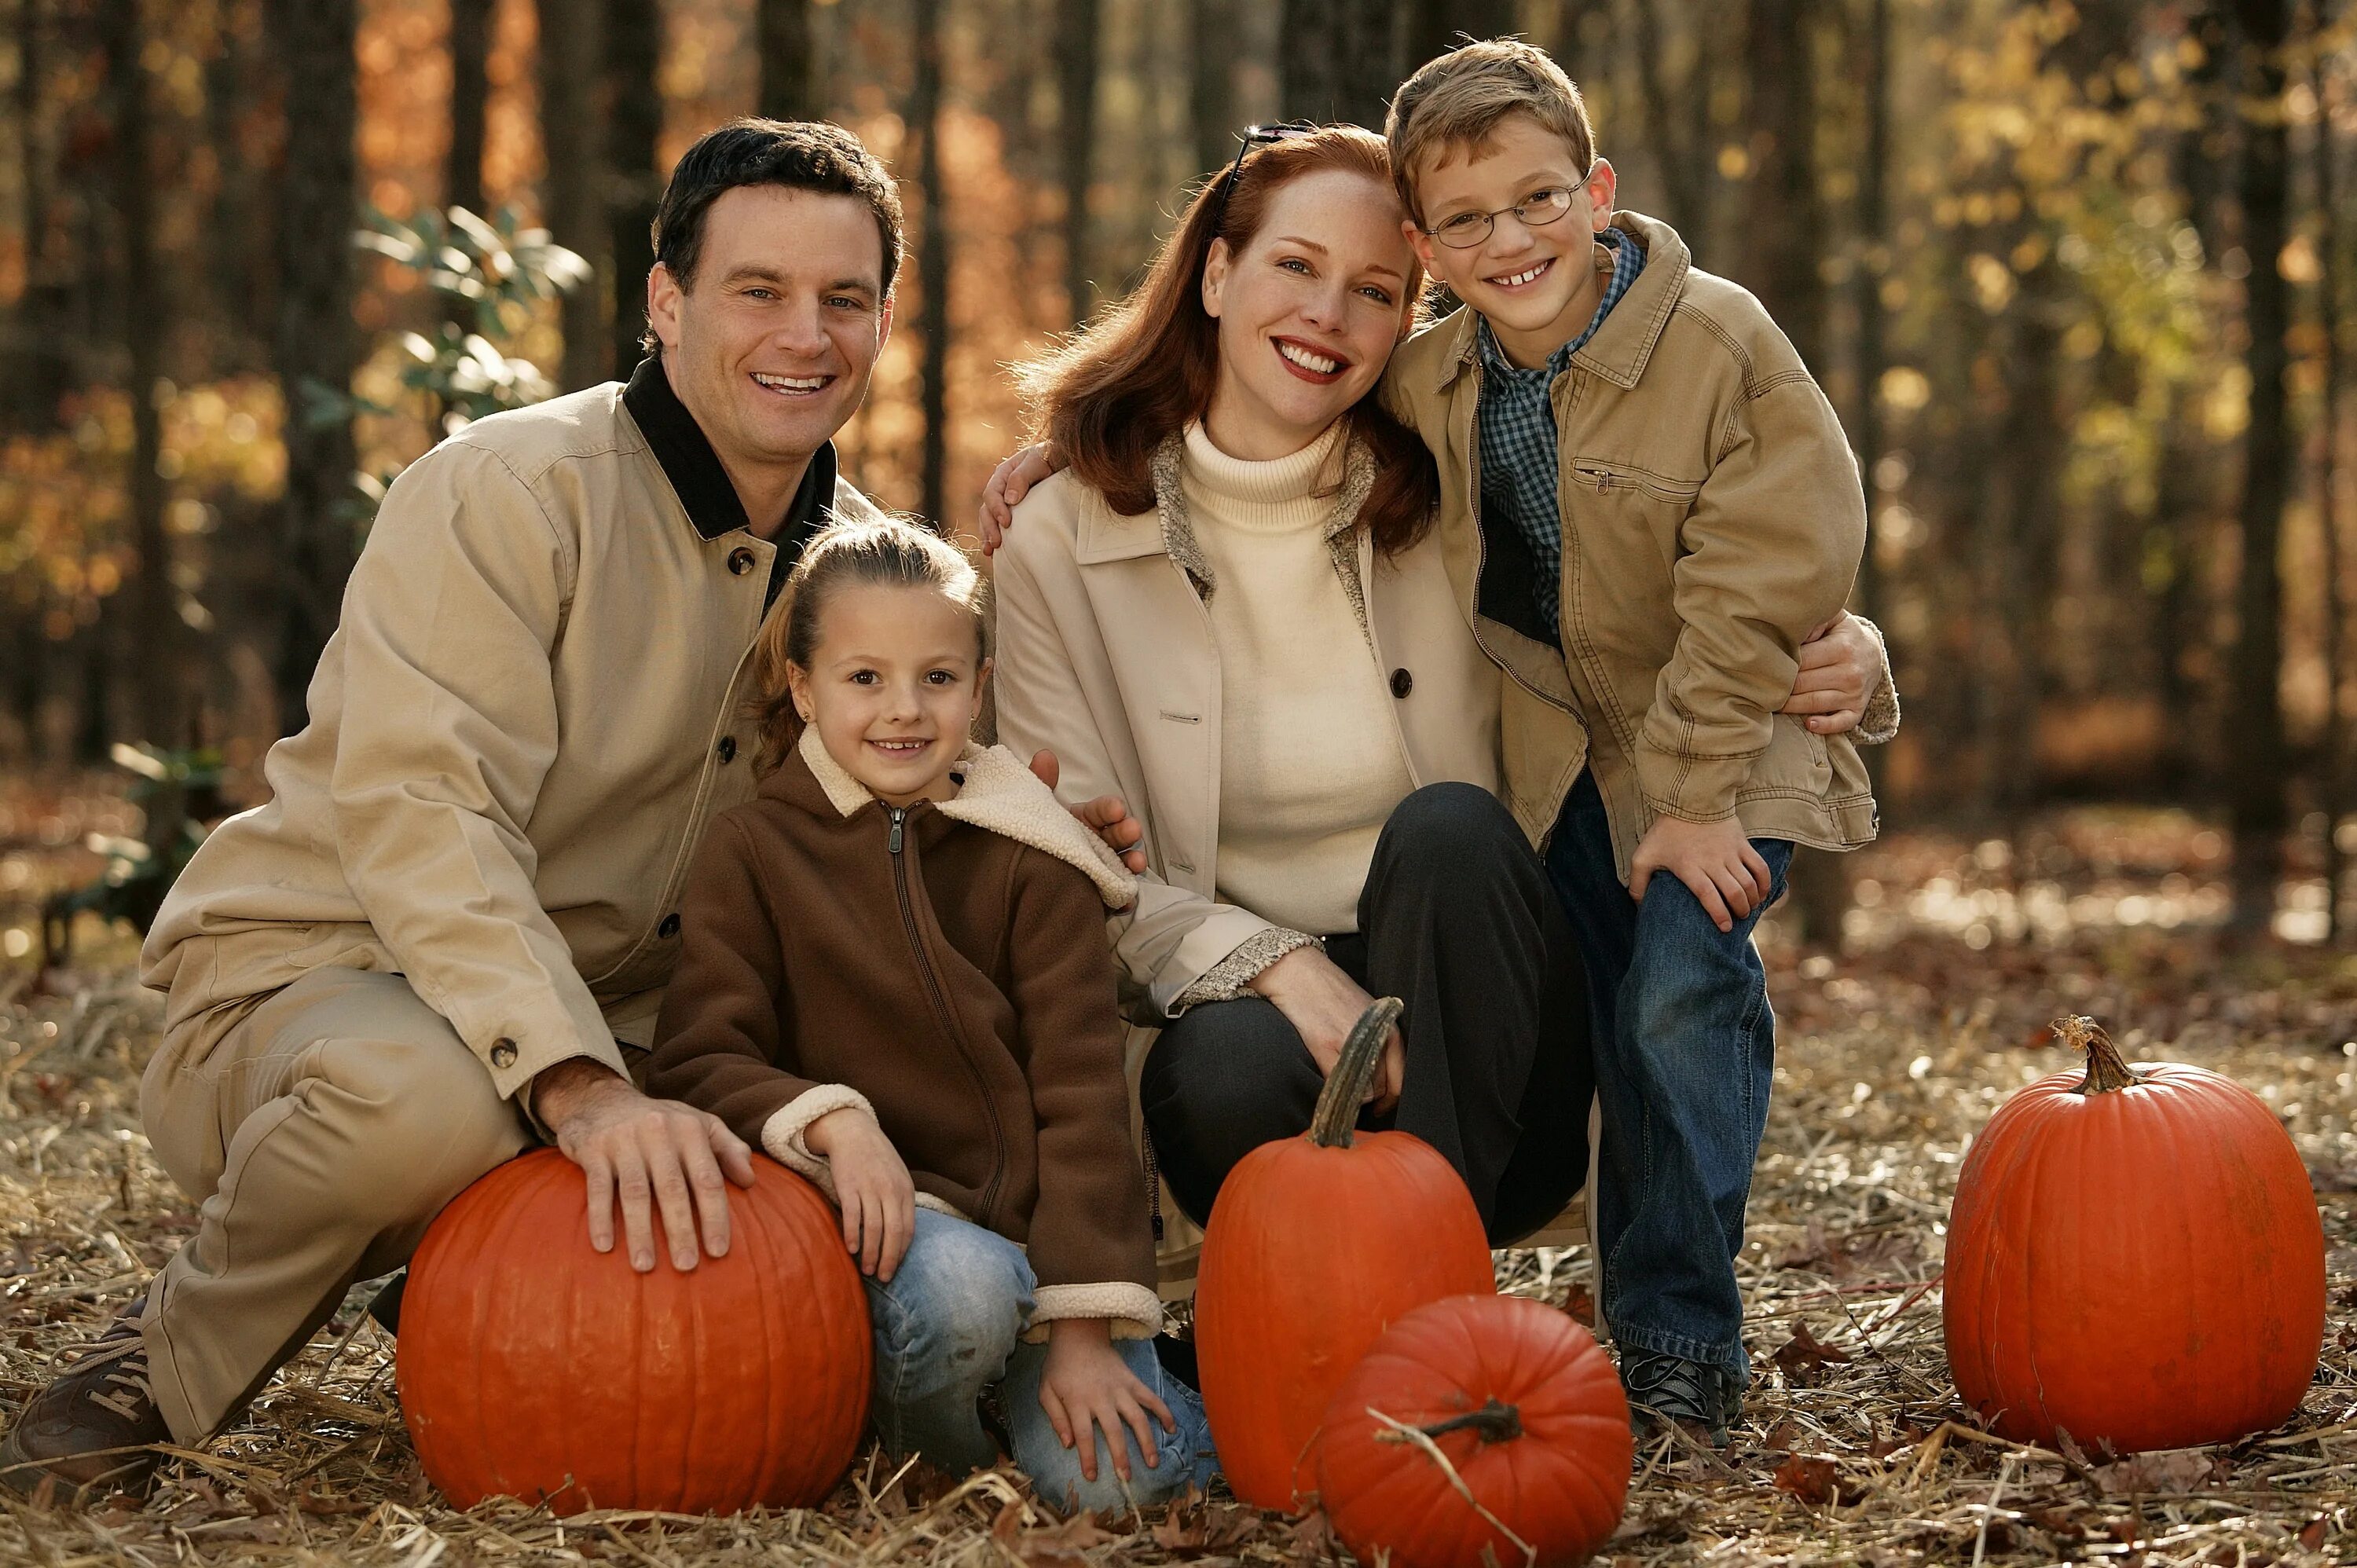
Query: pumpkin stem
pixel 1346 1087
pixel 2106 1070
pixel 1494 1423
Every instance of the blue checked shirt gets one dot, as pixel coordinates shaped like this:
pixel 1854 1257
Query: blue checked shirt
pixel 1518 434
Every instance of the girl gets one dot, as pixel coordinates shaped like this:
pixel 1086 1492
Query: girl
pixel 894 979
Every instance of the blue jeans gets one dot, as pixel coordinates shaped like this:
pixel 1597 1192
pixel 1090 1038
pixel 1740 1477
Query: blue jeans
pixel 1685 1049
pixel 949 1323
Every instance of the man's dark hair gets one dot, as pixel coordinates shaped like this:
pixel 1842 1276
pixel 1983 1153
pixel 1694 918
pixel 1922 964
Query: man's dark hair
pixel 798 155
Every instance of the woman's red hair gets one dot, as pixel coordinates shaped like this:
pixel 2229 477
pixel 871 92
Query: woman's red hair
pixel 1112 395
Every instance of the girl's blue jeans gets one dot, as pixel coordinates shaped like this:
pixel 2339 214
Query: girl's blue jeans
pixel 949 1323
pixel 1685 1050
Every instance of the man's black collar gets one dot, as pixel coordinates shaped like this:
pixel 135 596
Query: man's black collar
pixel 694 469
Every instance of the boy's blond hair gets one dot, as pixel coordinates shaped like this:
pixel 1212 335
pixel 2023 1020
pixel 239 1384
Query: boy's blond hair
pixel 1457 100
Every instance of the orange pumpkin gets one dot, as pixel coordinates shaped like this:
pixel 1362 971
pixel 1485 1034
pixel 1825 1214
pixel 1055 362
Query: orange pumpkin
pixel 1314 1245
pixel 2135 1257
pixel 531 1366
pixel 1479 1430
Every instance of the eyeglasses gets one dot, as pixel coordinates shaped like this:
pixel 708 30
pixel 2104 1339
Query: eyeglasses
pixel 1255 136
pixel 1536 210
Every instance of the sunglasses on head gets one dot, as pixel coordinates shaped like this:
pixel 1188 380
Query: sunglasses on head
pixel 1253 136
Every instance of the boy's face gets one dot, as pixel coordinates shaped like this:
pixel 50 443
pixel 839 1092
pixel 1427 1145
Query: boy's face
pixel 1536 284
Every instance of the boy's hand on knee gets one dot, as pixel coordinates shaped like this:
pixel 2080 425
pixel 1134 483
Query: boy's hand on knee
pixel 1715 860
pixel 871 1184
pixel 1087 1388
pixel 652 1155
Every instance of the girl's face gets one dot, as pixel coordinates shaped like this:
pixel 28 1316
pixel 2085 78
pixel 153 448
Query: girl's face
pixel 893 688
pixel 1309 311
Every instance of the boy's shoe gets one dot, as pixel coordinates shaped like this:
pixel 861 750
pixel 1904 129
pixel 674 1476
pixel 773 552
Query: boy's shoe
pixel 87 1433
pixel 1661 1389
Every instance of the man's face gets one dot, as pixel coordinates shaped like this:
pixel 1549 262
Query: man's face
pixel 771 344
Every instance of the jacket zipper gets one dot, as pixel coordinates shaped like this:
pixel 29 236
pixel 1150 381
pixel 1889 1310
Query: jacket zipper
pixel 940 1004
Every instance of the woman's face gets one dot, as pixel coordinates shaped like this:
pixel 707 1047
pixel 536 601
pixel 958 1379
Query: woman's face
pixel 1308 312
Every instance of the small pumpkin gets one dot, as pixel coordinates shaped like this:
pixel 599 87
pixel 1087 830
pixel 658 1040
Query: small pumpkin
pixel 2134 1258
pixel 1480 1429
pixel 533 1366
pixel 1314 1245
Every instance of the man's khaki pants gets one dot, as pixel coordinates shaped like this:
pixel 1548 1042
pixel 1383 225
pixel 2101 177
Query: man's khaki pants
pixel 322 1132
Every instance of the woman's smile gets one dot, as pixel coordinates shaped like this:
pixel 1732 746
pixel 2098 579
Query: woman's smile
pixel 1310 363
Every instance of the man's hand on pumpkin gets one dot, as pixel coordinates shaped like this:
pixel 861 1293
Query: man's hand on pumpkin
pixel 1106 816
pixel 650 1155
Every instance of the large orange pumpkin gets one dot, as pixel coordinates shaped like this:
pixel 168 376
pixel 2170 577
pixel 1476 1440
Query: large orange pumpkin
pixel 1314 1245
pixel 1479 1430
pixel 2134 1258
pixel 531 1366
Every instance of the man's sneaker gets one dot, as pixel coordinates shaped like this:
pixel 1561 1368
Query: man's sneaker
pixel 87 1433
pixel 1663 1387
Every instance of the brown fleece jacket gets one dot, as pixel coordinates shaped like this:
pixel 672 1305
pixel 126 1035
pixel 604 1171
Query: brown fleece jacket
pixel 945 969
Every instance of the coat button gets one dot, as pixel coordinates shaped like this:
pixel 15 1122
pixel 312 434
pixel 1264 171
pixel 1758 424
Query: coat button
pixel 740 561
pixel 670 927
pixel 728 748
pixel 503 1053
pixel 1401 682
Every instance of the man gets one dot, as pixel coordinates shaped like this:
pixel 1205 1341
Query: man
pixel 450 928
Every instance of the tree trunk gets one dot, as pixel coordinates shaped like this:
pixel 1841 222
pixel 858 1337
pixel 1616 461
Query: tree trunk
pixel 788 60
pixel 1337 60
pixel 933 263
pixel 314 346
pixel 1874 236
pixel 573 134
pixel 39 370
pixel 1680 143
pixel 1077 37
pixel 237 264
pixel 470 48
pixel 1212 82
pixel 1436 27
pixel 159 678
pixel 634 126
pixel 2255 750
pixel 2332 221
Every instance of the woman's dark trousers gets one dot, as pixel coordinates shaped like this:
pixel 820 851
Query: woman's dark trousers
pixel 1458 920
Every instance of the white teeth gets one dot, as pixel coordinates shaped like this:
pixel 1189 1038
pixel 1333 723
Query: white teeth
pixel 1318 363
pixel 791 383
pixel 1522 277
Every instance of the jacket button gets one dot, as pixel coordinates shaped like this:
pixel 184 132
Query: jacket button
pixel 740 561
pixel 1401 682
pixel 503 1053
pixel 670 927
pixel 728 748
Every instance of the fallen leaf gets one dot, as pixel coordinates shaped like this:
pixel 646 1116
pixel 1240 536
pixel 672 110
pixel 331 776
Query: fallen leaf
pixel 1311 1538
pixel 1804 1354
pixel 2311 1534
pixel 1064 1545
pixel 2170 1473
pixel 1783 1437
pixel 1581 1304
pixel 1811 1480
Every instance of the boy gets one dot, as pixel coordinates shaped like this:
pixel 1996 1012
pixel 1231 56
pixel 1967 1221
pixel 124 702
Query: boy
pixel 1648 504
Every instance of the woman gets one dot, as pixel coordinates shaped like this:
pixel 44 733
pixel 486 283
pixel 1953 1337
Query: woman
pixel 1230 613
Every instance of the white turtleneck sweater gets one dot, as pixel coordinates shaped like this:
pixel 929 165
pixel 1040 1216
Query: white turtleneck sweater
pixel 1310 758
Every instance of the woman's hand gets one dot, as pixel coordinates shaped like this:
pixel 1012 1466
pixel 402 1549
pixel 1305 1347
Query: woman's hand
pixel 1105 816
pixel 1087 1388
pixel 1322 1003
pixel 1008 484
pixel 1841 663
pixel 871 1184
pixel 646 1153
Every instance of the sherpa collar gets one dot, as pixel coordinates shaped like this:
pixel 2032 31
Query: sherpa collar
pixel 999 795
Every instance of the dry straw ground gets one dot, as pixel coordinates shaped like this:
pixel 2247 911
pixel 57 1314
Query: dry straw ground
pixel 1853 1449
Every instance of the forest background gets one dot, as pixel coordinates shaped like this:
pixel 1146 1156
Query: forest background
pixel 2081 280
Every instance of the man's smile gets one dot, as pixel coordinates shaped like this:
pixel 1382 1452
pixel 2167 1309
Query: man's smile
pixel 793 386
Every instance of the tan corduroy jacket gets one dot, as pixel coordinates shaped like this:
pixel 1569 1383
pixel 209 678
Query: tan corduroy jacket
pixel 1712 518
pixel 523 725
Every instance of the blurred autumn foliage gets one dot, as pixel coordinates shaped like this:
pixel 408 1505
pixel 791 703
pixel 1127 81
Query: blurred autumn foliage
pixel 2079 278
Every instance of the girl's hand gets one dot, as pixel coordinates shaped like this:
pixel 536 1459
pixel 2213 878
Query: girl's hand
pixel 1322 1003
pixel 1008 484
pixel 1715 860
pixel 871 1184
pixel 1088 1387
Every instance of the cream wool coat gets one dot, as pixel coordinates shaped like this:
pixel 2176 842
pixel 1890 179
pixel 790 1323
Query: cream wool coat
pixel 1106 657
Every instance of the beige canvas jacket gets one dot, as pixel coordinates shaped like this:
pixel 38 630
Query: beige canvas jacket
pixel 529 712
pixel 1712 518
